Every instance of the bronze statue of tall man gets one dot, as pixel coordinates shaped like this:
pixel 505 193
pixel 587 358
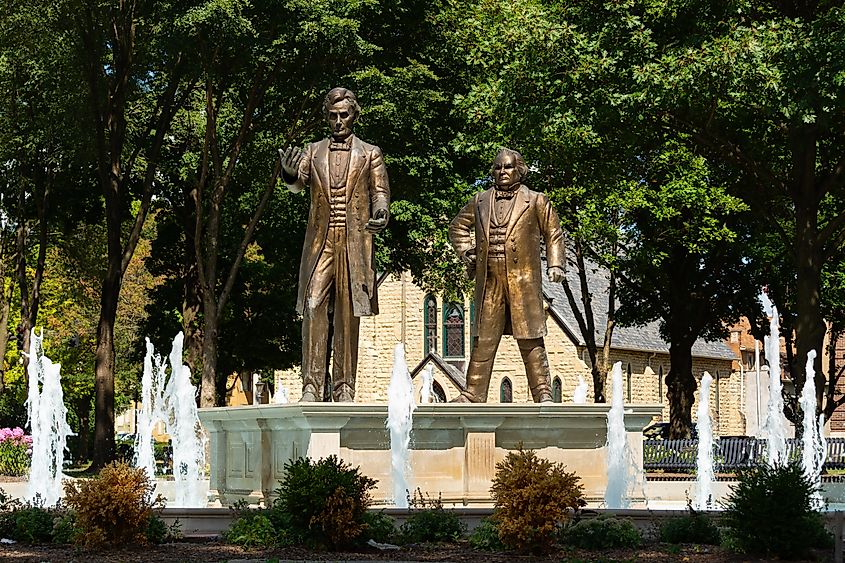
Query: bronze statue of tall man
pixel 508 221
pixel 350 197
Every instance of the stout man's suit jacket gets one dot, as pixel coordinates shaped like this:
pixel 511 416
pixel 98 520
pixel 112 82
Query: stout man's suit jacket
pixel 532 217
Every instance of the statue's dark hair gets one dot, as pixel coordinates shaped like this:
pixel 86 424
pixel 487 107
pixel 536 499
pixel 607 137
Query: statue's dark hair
pixel 521 167
pixel 337 94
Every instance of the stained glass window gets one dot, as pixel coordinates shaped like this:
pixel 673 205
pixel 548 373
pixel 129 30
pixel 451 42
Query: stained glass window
pixel 430 324
pixel 506 392
pixel 453 330
pixel 438 395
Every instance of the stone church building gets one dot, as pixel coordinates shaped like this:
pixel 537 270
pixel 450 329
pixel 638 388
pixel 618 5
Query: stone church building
pixel 437 335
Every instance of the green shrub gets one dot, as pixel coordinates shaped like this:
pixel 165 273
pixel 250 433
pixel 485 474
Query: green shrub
pixel 322 502
pixel 603 533
pixel 15 451
pixel 65 529
pixel 379 527
pixel 34 524
pixel 694 528
pixel 428 521
pixel 254 530
pixel 770 511
pixel 533 498
pixel 486 537
pixel 159 532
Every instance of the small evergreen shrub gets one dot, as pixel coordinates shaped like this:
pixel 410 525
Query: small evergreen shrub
pixel 533 498
pixel 378 527
pixel 694 528
pixel 486 537
pixel 114 508
pixel 322 502
pixel 603 533
pixel 251 531
pixel 29 522
pixel 159 532
pixel 15 451
pixel 770 511
pixel 428 521
pixel 65 529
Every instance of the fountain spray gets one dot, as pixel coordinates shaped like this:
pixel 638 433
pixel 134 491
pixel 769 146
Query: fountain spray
pixel 618 453
pixel 47 416
pixel 704 476
pixel 400 409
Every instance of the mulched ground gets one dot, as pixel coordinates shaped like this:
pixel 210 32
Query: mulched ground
pixel 210 552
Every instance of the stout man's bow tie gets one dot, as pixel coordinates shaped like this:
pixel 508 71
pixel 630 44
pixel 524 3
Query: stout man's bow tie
pixel 341 146
pixel 505 194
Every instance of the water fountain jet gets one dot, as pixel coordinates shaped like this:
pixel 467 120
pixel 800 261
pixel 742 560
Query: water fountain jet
pixel 400 408
pixel 704 475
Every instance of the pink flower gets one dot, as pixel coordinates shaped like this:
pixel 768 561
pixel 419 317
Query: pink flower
pixel 17 432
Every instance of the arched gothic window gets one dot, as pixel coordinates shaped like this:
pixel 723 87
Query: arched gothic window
pixel 438 395
pixel 630 382
pixel 506 391
pixel 429 324
pixel 453 330
pixel 557 390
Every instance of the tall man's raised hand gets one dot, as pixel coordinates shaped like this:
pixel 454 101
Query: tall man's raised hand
pixel 291 157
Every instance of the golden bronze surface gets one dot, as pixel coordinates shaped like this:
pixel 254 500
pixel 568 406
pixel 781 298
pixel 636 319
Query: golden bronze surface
pixel 497 235
pixel 350 198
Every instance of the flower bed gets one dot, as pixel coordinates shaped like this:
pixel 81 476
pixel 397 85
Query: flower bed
pixel 15 451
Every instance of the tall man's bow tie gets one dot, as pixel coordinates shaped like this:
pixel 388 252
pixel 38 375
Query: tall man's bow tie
pixel 335 146
pixel 505 194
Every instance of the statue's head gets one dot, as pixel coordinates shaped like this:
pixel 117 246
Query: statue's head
pixel 509 168
pixel 341 110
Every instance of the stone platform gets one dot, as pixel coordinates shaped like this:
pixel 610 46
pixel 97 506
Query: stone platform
pixel 454 447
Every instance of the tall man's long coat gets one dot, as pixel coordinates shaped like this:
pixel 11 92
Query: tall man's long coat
pixel 367 190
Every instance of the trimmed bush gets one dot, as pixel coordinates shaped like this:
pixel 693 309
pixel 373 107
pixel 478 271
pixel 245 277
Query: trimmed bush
pixel 695 528
pixel 770 511
pixel 322 503
pixel 533 498
pixel 428 521
pixel 603 533
pixel 114 508
pixel 250 531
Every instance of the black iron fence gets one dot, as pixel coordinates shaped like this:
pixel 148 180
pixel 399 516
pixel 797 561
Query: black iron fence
pixel 730 454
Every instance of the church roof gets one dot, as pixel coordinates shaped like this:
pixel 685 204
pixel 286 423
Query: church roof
pixel 639 338
pixel 456 375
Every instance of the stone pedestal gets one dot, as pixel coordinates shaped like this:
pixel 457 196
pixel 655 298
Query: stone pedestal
pixel 454 447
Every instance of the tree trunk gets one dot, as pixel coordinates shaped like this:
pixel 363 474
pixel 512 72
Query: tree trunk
pixel 191 301
pixel 680 385
pixel 809 324
pixel 209 389
pixel 104 448
pixel 83 413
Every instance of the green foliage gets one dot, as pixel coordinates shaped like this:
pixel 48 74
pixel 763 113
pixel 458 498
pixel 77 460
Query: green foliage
pixel 603 533
pixel 428 521
pixel 65 529
pixel 159 532
pixel 322 502
pixel 694 528
pixel 770 511
pixel 378 526
pixel 31 522
pixel 486 537
pixel 113 508
pixel 252 530
pixel 533 498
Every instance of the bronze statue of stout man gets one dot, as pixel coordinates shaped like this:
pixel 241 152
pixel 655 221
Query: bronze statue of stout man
pixel 350 196
pixel 508 221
